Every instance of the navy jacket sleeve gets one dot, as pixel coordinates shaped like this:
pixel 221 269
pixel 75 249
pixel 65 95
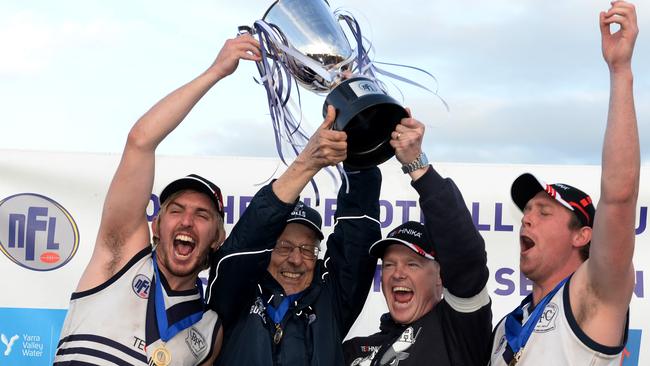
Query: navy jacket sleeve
pixel 459 247
pixel 460 250
pixel 351 268
pixel 244 255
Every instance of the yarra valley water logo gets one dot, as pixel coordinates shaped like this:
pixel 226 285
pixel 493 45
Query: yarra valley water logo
pixel 36 232
pixel 27 345
pixel 8 343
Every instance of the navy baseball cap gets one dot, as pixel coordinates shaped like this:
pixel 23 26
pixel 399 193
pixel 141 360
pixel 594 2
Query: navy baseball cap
pixel 195 183
pixel 526 186
pixel 411 234
pixel 305 215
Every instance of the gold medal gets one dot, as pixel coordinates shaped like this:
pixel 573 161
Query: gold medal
pixel 277 337
pixel 161 356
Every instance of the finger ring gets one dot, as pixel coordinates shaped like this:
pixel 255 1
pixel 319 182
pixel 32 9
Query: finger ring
pixel 398 135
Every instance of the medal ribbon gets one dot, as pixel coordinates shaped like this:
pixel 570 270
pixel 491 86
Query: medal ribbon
pixel 517 334
pixel 165 330
pixel 277 314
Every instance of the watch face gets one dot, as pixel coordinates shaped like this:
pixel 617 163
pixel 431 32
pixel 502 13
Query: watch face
pixel 423 159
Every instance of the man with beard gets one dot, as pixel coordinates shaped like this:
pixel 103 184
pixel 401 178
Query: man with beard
pixel 141 305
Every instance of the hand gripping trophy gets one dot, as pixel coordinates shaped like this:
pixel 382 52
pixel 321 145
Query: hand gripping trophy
pixel 303 40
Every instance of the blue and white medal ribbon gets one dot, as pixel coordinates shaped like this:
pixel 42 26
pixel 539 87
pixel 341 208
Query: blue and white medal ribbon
pixel 517 334
pixel 161 355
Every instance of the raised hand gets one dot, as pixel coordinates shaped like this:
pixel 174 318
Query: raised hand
pixel 243 47
pixel 618 47
pixel 407 139
pixel 326 147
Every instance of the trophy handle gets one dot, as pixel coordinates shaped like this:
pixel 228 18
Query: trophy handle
pixel 244 29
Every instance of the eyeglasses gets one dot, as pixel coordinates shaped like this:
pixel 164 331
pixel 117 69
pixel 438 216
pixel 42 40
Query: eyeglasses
pixel 284 248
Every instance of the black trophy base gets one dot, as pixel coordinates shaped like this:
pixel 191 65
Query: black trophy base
pixel 368 116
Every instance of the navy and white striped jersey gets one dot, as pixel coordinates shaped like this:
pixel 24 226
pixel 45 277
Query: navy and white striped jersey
pixel 115 322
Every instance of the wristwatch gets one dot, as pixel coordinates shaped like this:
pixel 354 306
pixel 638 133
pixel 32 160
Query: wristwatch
pixel 420 162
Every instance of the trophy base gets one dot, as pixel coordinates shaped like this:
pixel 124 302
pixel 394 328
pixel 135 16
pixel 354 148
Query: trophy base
pixel 368 116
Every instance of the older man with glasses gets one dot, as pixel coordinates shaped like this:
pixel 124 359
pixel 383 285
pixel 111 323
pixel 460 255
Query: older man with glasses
pixel 294 269
pixel 289 307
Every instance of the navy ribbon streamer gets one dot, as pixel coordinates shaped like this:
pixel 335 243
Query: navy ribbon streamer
pixel 278 81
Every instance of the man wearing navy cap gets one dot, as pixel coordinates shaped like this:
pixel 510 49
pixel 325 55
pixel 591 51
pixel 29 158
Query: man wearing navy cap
pixel 294 257
pixel 285 306
pixel 138 304
pixel 580 258
pixel 420 263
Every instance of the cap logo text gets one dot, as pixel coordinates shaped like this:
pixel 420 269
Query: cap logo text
pixel 410 232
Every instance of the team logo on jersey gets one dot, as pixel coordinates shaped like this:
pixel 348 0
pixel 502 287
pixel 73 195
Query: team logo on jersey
pixel 397 351
pixel 546 321
pixel 36 232
pixel 141 285
pixel 259 309
pixel 195 341
pixel 367 360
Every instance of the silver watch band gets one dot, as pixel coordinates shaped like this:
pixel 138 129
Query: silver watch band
pixel 420 162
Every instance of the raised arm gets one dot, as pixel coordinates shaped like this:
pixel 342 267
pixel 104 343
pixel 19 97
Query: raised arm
pixel 325 148
pixel 244 255
pixel 349 265
pixel 124 229
pixel 607 278
pixel 460 249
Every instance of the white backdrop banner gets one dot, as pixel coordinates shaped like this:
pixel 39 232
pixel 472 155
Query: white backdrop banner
pixel 50 206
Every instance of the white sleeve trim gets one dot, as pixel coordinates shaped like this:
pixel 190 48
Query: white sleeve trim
pixel 223 259
pixel 357 218
pixel 467 305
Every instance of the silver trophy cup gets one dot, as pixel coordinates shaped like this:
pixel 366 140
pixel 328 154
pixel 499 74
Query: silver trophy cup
pixel 307 41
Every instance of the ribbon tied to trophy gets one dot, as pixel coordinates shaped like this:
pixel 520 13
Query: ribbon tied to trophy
pixel 303 43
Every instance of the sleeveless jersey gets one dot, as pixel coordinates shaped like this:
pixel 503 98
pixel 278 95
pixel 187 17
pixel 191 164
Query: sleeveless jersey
pixel 115 323
pixel 557 340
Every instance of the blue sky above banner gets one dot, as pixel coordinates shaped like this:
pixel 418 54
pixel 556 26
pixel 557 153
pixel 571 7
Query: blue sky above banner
pixel 77 74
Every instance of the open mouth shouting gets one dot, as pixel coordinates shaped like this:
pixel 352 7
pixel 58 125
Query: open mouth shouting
pixel 184 245
pixel 402 295
pixel 525 243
